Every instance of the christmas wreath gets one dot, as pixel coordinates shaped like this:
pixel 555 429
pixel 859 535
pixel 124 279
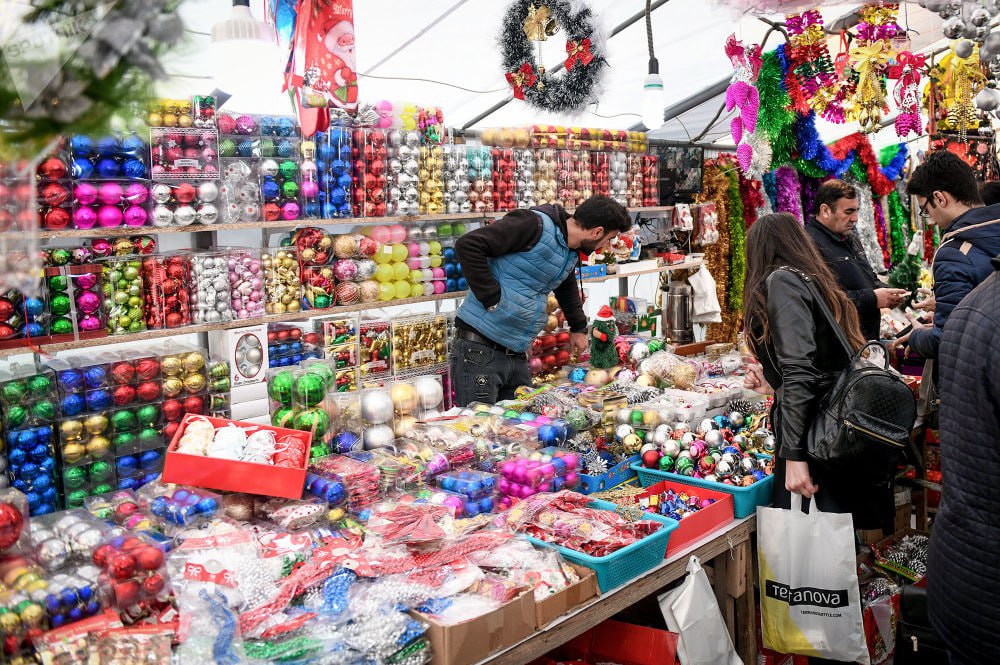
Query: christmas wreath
pixel 530 22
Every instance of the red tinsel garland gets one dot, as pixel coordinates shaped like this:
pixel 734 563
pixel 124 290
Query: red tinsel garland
pixel 858 143
pixel 752 199
pixel 881 232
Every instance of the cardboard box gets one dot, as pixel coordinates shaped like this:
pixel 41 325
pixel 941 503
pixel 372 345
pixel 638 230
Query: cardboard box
pixel 236 476
pixel 246 351
pixel 474 640
pixel 637 266
pixel 588 272
pixel 879 548
pixel 250 393
pixel 253 409
pixel 560 603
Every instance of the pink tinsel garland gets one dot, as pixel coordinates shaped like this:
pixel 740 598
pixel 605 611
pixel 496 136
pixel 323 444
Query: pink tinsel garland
pixel 786 181
pixel 882 232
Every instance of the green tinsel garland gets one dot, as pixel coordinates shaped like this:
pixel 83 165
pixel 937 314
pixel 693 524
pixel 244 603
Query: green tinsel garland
pixel 737 243
pixel 775 116
pixel 808 169
pixel 899 219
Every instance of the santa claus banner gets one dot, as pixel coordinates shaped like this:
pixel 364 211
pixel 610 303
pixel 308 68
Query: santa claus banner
pixel 323 66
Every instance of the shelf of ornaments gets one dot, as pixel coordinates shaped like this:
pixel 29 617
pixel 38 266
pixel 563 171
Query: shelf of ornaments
pixel 120 231
pixel 55 347
pixel 689 264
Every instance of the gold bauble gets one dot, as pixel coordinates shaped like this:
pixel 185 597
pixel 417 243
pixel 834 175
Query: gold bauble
pixel 172 386
pixel 551 305
pixel 404 425
pixel 98 446
pixel 171 366
pixel 404 398
pixel 596 377
pixel 645 380
pixel 73 453
pixel 194 361
pixel 70 430
pixel 95 424
pixel 194 383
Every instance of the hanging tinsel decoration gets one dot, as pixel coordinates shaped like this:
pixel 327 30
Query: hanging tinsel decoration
pixel 898 222
pixel 716 190
pixel 752 198
pixel 788 195
pixel 967 81
pixel 775 117
pixel 529 22
pixel 869 58
pixel 737 244
pixel 881 232
pixel 817 87
pixel 907 94
pixel 808 187
pixel 865 228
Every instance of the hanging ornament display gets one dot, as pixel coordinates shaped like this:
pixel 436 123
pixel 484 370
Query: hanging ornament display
pixel 526 25
pixel 752 152
pixel 907 93
pixel 968 81
pixel 816 84
pixel 869 58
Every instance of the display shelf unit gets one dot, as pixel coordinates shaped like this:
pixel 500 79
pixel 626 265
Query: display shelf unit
pixel 729 553
pixel 120 231
pixel 239 323
pixel 684 265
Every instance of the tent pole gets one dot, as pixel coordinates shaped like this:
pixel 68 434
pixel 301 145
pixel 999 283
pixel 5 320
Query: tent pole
pixel 618 28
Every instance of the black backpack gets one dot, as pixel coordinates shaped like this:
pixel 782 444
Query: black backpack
pixel 869 404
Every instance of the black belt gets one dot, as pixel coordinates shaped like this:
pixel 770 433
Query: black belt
pixel 473 336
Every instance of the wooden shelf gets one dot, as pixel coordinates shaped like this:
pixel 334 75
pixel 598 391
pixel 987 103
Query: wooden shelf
pixel 208 327
pixel 684 265
pixel 121 231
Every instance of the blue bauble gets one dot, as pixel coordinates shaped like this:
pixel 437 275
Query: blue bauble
pixel 42 482
pixel 268 126
pixel 345 152
pixel 325 152
pixel 158 506
pixel 338 166
pixel 344 442
pixel 462 284
pixel 108 145
pixel 52 603
pixel 206 506
pixel 57 620
pixel 34 500
pixel 20 485
pixel 33 307
pixel 557 483
pixel 75 614
pixel 93 607
pixel 72 405
pixel 133 145
pixel 47 465
pixel 86 592
pixel 285 126
pixel 33 329
pixel 269 189
pixel 295 347
pixel 24 439
pixel 81 145
pixel 149 458
pixel 95 376
pixel 70 379
pixel 450 285
pixel 43 434
pixel 338 196
pixel 245 148
pixel 28 471
pixel 283 149
pixel 296 358
pixel 329 210
pixel 272 362
pixel 50 495
pixel 108 168
pixel 149 478
pixel 334 494
pixel 486 505
pixel 313 209
pixel 98 400
pixel 128 483
pixel 39 453
pixel 284 362
pixel 134 168
pixel 448 253
pixel 17 456
pixel 722 422
pixel 458 268
pixel 577 374
pixel 449 271
pixel 68 596
pixel 126 464
pixel 81 169
pixel 547 435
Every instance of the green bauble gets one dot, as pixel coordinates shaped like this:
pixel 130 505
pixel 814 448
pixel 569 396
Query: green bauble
pixel 74 477
pixel 136 326
pixel 100 471
pixel 131 272
pixel 266 148
pixel 148 414
pixel 40 385
pixel 321 301
pixel 310 388
pixel 149 437
pixel 310 417
pixel 16 416
pixel 279 387
pixel 288 169
pixel 221 385
pixel 283 417
pixel 124 420
pixel 44 410
pixel 59 305
pixel 123 442
pixel 227 148
pixel 14 392
pixel 318 450
pixel 103 488
pixel 326 372
pixel 75 498
pixel 654 345
pixel 60 257
pixel 219 370
pixel 61 326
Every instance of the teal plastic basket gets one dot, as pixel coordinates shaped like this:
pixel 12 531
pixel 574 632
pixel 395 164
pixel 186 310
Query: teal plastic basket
pixel 616 475
pixel 745 499
pixel 627 563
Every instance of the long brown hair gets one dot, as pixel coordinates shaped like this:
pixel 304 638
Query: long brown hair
pixel 778 240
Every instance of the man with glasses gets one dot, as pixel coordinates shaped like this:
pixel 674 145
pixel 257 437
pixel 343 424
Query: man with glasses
pixel 832 229
pixel 947 194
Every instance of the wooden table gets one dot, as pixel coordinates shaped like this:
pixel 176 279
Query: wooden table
pixel 729 555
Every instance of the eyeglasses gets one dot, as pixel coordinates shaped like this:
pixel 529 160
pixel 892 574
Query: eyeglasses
pixel 923 209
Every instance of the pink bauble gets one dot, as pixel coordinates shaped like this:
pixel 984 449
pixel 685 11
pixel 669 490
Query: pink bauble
pixel 455 503
pixel 290 211
pixel 84 218
pixel 136 193
pixel 157 171
pixel 345 270
pixel 439 287
pixel 571 479
pixel 437 273
pixel 87 280
pixel 536 365
pixel 381 235
pixel 397 233
pixel 310 189
pixel 90 323
pixel 413 263
pixel 88 302
pixel 86 193
pixel 109 216
pixel 367 246
pixel 135 216
pixel 413 249
pixel 110 193
pixel 571 461
pixel 543 420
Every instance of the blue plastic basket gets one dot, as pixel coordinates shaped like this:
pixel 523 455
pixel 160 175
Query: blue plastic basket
pixel 616 475
pixel 627 563
pixel 745 499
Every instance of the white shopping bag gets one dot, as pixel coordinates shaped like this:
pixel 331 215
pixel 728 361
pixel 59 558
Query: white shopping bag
pixel 810 603
pixel 692 611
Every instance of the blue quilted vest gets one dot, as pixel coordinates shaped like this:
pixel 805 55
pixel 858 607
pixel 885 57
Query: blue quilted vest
pixel 525 279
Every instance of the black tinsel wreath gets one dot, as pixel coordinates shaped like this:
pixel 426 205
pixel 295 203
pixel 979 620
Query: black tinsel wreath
pixel 577 86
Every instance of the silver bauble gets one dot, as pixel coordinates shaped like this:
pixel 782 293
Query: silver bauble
pixel 378 436
pixel 714 439
pixel 671 448
pixel 964 48
pixel 953 28
pixel 974 33
pixel 988 99
pixel 376 407
pixel 638 352
pixel 979 17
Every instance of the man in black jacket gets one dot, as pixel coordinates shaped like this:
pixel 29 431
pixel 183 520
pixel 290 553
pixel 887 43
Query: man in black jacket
pixel 832 229
pixel 963 576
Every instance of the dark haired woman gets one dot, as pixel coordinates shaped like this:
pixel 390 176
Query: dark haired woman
pixel 800 359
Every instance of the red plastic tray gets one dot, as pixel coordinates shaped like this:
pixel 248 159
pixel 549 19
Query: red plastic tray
pixel 702 522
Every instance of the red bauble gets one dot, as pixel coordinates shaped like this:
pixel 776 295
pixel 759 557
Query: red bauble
pixel 549 341
pixel 126 593
pixel 194 404
pixel 153 584
pixel 52 168
pixel 53 194
pixel 56 218
pixel 294 334
pixel 149 558
pixel 174 320
pixel 562 339
pixel 123 395
pixel 6 332
pixel 123 372
pixel 169 430
pixel 284 334
pixel 102 554
pixel 271 336
pixel 147 368
pixel 562 357
pixel 6 309
pixel 11 643
pixel 124 510
pixel 121 566
pixel 172 409
pixel 549 361
pixel 651 459
pixel 11 524
pixel 147 391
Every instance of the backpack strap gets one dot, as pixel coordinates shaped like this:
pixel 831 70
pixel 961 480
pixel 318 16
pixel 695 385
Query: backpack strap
pixel 827 314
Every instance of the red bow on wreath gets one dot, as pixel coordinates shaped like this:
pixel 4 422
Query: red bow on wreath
pixel 521 79
pixel 578 52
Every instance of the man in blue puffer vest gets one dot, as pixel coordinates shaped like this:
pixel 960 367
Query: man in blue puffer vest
pixel 946 192
pixel 511 266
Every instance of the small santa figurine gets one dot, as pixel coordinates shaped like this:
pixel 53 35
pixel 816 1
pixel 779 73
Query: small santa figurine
pixel 602 340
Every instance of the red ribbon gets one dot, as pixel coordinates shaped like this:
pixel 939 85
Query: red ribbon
pixel 521 79
pixel 914 60
pixel 578 52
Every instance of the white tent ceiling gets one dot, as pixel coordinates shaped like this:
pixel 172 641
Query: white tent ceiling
pixel 409 51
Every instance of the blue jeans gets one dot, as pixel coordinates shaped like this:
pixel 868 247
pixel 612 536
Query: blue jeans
pixel 483 373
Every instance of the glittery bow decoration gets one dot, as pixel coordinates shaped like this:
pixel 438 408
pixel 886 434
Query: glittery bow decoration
pixel 521 79
pixel 539 24
pixel 578 52
pixel 906 94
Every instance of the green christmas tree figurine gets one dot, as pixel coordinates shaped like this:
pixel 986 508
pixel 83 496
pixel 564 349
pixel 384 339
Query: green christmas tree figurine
pixel 602 340
pixel 906 275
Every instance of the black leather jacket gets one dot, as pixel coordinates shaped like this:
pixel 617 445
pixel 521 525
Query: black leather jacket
pixel 801 359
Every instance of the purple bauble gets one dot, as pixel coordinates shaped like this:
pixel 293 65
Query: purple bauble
pixel 90 323
pixel 290 210
pixel 110 193
pixel 109 216
pixel 85 193
pixel 87 280
pixel 136 193
pixel 135 216
pixel 84 218
pixel 345 270
pixel 88 302
pixel 310 189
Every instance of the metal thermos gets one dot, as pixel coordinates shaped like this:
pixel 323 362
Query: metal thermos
pixel 678 310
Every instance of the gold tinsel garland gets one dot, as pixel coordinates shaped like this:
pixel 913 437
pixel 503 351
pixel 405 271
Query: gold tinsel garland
pixel 716 190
